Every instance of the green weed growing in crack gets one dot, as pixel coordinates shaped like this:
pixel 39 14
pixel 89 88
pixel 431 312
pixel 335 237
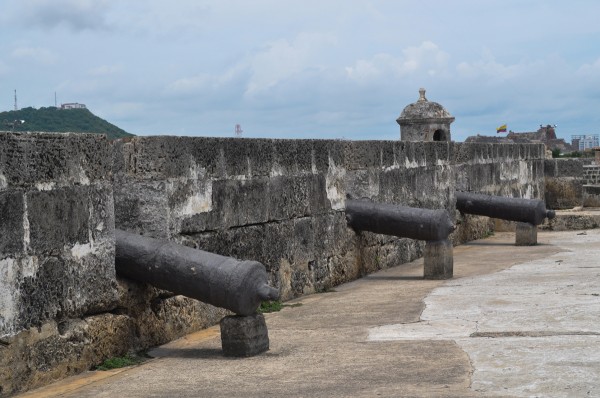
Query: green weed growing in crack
pixel 274 306
pixel 121 362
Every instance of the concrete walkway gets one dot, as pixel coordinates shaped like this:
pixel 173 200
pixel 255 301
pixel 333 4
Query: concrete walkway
pixel 515 321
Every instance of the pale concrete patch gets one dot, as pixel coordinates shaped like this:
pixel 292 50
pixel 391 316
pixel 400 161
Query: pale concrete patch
pixel 552 366
pixel 450 329
pixel 543 317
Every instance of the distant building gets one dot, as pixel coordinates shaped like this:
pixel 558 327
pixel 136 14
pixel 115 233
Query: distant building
pixel 73 105
pixel 583 142
pixel 545 135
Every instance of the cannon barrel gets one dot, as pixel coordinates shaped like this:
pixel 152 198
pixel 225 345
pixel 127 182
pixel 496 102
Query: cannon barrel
pixel 238 286
pixel 532 211
pixel 404 222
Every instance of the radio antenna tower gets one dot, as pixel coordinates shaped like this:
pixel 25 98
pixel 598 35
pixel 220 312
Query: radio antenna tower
pixel 16 109
pixel 238 130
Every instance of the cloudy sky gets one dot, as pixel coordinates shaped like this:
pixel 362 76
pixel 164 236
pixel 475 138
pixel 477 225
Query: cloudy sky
pixel 309 68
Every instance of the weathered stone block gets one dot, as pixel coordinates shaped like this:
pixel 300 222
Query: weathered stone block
pixel 550 168
pixel 244 336
pixel 328 153
pixel 242 202
pixel 11 223
pixel 208 154
pixel 363 154
pixel 286 157
pixel 287 197
pixel 317 195
pixel 563 192
pixel 58 217
pixel 569 167
pixel 526 234
pixel 158 316
pixel 102 216
pixel 438 259
pixel 41 355
pixel 471 227
pixel 27 159
pixel 155 157
pixel 304 155
pixel 247 157
pixel 71 284
pixel 363 184
pixel 333 237
pixel 141 206
pixel 591 195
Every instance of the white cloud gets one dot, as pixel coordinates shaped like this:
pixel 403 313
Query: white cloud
pixel 282 59
pixel 206 82
pixel 590 70
pixel 191 85
pixel 104 70
pixel 257 73
pixel 124 110
pixel 426 58
pixel 488 67
pixel 41 55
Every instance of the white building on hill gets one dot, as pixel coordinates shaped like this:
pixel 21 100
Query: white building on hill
pixel 73 105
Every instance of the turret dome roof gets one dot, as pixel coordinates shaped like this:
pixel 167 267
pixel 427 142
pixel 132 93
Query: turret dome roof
pixel 424 109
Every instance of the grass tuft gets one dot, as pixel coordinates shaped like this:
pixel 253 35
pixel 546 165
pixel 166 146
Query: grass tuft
pixel 274 306
pixel 119 362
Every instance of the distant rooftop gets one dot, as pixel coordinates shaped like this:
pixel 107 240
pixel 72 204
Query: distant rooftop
pixel 73 105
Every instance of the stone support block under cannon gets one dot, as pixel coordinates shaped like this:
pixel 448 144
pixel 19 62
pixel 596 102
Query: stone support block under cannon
pixel 432 226
pixel 239 286
pixel 527 213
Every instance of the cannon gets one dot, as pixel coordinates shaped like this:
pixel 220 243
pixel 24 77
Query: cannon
pixel 531 211
pixel 239 286
pixel 404 222
pixel 432 226
pixel 528 213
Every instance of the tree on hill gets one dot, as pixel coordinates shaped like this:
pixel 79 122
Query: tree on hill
pixel 57 120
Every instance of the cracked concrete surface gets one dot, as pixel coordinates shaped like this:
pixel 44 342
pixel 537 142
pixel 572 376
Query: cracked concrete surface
pixel 515 321
pixel 531 329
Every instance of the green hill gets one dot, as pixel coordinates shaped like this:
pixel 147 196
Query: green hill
pixel 58 120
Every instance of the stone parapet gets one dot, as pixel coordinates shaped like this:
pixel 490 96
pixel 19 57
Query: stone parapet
pixel 280 202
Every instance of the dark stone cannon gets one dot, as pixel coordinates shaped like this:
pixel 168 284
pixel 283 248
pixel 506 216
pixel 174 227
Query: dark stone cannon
pixel 432 226
pixel 239 286
pixel 528 213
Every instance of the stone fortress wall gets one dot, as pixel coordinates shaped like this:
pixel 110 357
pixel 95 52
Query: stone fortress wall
pixel 591 184
pixel 280 202
pixel 572 183
pixel 591 174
